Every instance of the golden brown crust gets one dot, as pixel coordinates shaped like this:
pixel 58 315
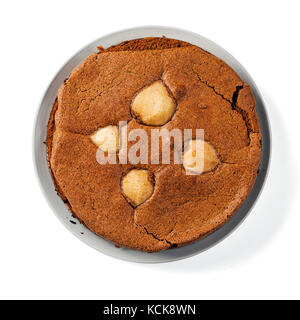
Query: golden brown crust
pixel 49 142
pixel 183 208
pixel 150 43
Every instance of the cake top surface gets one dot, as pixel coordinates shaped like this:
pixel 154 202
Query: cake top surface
pixel 199 91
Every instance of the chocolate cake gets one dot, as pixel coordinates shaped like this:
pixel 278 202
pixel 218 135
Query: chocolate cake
pixel 146 206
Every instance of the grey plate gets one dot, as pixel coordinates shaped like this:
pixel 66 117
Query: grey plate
pixel 79 230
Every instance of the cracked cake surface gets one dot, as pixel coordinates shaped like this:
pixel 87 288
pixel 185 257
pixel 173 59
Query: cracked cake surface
pixel 180 208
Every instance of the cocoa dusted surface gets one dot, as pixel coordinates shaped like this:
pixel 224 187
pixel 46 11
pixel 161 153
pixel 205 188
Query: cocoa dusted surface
pixel 183 208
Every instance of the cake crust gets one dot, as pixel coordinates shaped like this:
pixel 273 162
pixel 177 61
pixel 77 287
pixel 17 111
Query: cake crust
pixel 183 208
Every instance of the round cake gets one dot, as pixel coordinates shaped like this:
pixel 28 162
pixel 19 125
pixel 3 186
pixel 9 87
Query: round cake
pixel 154 85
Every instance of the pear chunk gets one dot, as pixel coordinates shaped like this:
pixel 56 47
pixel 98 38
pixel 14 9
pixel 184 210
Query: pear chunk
pixel 153 105
pixel 137 186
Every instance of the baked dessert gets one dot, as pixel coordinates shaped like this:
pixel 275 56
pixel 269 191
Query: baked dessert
pixel 153 83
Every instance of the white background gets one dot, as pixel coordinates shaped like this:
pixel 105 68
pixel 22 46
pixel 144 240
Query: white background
pixel 40 259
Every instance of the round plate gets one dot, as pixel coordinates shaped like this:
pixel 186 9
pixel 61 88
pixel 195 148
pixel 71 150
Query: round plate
pixel 59 208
